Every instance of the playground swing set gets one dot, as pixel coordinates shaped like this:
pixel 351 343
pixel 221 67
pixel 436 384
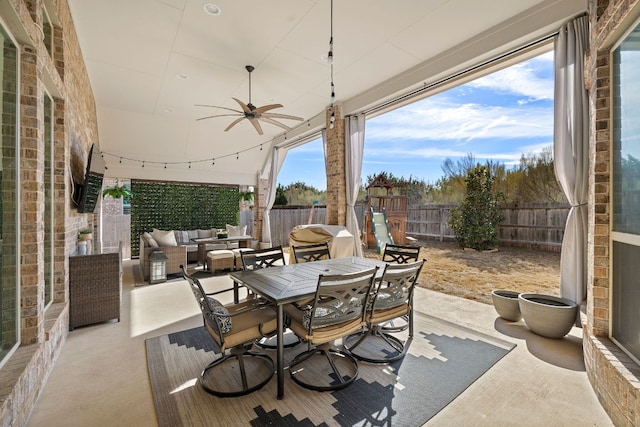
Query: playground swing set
pixel 385 219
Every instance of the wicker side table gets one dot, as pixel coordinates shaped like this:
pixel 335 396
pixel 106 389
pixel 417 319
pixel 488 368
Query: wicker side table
pixel 95 288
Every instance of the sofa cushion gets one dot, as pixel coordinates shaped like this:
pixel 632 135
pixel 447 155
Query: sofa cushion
pixel 193 234
pixel 165 238
pixel 149 240
pixel 204 234
pixel 236 230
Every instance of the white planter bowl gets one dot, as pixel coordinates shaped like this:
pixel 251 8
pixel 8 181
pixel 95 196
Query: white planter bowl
pixel 548 315
pixel 506 304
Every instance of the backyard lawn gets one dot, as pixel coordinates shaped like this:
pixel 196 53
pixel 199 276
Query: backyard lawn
pixel 473 275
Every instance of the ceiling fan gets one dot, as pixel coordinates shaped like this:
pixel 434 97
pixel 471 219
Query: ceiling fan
pixel 252 113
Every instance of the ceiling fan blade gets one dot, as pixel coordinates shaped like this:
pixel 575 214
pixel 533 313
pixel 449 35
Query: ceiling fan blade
pixel 240 113
pixel 256 125
pixel 233 123
pixel 273 122
pixel 264 108
pixel 281 116
pixel 244 106
pixel 216 106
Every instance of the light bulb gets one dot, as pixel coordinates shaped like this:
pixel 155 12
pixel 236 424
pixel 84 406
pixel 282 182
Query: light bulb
pixel 332 120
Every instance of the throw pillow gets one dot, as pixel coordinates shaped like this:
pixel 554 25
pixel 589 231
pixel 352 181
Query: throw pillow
pixel 182 237
pixel 221 314
pixel 204 234
pixel 149 240
pixel 236 230
pixel 164 238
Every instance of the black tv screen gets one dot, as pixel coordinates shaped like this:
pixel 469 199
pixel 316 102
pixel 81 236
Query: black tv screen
pixel 89 191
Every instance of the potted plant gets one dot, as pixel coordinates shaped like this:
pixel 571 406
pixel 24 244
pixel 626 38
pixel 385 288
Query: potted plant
pixel 118 191
pixel 85 234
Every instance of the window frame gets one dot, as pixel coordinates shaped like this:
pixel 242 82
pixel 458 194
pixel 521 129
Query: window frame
pixel 617 236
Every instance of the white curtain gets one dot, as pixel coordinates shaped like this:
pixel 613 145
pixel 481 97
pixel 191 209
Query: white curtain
pixel 571 152
pixel 354 146
pixel 277 159
pixel 324 145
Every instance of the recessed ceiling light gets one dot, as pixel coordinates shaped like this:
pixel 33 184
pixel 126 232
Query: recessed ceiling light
pixel 212 9
pixel 182 76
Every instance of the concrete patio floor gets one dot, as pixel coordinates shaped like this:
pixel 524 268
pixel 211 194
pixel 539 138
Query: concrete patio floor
pixel 100 377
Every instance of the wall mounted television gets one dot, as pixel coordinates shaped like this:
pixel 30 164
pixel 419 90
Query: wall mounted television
pixel 86 194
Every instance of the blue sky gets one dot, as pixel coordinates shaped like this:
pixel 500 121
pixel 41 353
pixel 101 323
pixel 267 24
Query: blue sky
pixel 498 117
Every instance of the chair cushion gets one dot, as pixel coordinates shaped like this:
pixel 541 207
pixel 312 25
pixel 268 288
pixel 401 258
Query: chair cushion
pixel 220 254
pixel 320 335
pixel 381 316
pixel 236 230
pixel 149 240
pixel 221 311
pixel 164 238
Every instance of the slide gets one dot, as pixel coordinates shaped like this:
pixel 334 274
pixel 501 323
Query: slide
pixel 380 227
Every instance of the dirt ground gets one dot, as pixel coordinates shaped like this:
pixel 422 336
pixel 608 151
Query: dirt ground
pixel 473 275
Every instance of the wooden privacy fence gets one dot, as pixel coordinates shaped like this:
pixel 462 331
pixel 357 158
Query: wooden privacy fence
pixel 533 226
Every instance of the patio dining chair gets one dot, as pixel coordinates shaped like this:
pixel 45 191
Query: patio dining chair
pixel 313 252
pixel 337 310
pixel 235 327
pixel 391 299
pixel 266 258
pixel 399 254
pixel 262 258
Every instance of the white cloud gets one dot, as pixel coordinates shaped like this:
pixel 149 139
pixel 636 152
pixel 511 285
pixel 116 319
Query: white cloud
pixel 521 79
pixel 446 121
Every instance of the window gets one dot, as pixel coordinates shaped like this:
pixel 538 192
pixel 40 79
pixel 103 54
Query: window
pixel 49 204
pixel 625 197
pixel 9 332
pixel 47 31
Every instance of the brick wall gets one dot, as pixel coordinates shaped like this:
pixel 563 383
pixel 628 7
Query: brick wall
pixel 613 375
pixel 43 330
pixel 335 166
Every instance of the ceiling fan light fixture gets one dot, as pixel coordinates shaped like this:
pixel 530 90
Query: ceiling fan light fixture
pixel 253 114
pixel 212 9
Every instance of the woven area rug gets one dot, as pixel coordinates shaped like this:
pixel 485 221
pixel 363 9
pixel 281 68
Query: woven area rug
pixel 442 361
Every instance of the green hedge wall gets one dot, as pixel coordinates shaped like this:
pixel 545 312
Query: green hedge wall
pixel 180 206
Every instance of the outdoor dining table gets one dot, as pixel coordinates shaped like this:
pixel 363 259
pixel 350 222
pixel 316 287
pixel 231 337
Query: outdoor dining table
pixel 289 283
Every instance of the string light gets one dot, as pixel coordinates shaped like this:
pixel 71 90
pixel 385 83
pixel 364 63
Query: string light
pixel 189 163
pixel 332 120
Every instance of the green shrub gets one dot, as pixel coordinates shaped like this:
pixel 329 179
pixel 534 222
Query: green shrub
pixel 475 220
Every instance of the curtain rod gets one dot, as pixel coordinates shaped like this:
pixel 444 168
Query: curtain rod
pixel 459 74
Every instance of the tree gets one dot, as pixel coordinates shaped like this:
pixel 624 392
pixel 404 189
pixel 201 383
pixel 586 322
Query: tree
pixel 281 198
pixel 475 220
pixel 535 180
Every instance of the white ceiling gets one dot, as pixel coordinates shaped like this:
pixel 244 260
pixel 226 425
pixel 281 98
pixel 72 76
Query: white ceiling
pixel 135 51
